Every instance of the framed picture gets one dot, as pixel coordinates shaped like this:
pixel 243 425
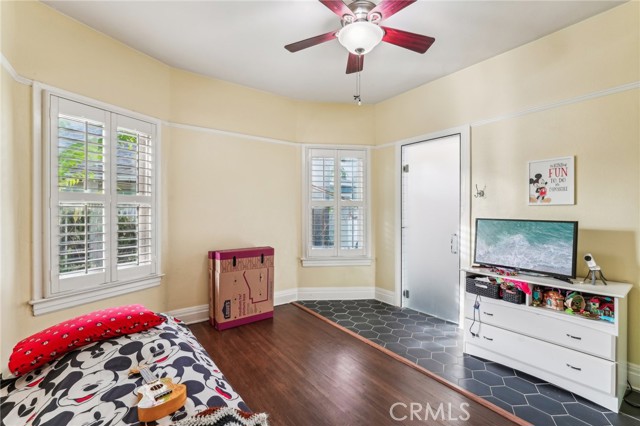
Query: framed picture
pixel 552 182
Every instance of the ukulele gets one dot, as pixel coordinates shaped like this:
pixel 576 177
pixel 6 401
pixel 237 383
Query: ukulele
pixel 158 397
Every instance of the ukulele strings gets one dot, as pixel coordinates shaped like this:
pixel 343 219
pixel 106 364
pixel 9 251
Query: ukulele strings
pixel 148 376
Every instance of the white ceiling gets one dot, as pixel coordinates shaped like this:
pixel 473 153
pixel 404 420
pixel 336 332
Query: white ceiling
pixel 242 41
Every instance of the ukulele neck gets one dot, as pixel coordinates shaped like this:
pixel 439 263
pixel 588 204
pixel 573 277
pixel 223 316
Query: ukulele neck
pixel 148 376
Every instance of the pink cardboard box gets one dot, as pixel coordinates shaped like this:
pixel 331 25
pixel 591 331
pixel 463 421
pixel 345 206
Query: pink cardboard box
pixel 241 286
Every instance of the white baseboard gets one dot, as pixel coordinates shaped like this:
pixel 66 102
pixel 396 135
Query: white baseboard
pixel 335 293
pixel 192 314
pixel 386 296
pixel 200 313
pixel 633 374
pixel 285 296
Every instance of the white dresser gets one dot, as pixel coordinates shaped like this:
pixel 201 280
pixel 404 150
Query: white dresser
pixel 585 356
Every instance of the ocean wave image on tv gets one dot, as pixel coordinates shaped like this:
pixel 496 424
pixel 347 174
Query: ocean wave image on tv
pixel 539 246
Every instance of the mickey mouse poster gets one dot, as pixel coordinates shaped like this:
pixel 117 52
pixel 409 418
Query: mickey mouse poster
pixel 551 182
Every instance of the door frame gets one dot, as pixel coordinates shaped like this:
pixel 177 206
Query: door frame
pixel 464 240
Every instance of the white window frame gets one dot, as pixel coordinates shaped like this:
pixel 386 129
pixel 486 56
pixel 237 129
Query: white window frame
pixel 319 257
pixel 45 297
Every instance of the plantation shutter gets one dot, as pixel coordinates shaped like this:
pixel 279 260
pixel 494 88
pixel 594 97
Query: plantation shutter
pixel 352 203
pixel 102 195
pixel 79 195
pixel 337 204
pixel 134 193
pixel 322 178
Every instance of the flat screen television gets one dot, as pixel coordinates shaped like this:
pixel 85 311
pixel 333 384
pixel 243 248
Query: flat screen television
pixel 541 246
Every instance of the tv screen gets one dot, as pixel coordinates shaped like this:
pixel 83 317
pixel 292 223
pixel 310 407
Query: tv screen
pixel 542 246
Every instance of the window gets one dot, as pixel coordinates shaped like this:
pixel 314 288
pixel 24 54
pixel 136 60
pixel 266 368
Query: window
pixel 100 187
pixel 336 207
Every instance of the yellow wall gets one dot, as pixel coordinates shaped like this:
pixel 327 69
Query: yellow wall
pixel 200 101
pixel 15 223
pixel 11 267
pixel 222 190
pixel 603 133
pixel 51 48
pixel 245 192
pixel 31 41
pixel 596 54
pixel 226 193
pixel 384 205
pixel 219 191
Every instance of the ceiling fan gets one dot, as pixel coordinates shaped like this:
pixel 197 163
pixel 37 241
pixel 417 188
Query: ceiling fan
pixel 361 31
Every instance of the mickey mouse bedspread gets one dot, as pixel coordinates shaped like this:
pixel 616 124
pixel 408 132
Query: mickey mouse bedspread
pixel 91 385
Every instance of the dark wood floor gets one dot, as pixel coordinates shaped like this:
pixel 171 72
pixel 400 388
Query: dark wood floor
pixel 303 371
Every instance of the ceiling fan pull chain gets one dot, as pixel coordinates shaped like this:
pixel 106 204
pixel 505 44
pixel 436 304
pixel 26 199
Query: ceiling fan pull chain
pixel 357 96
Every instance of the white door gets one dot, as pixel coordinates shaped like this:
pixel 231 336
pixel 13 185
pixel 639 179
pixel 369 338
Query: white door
pixel 431 227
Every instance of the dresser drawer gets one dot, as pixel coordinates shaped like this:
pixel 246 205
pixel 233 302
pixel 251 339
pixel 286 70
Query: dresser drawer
pixel 554 360
pixel 525 320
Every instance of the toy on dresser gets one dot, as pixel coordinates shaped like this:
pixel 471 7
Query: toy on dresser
pixel 602 307
pixel 537 298
pixel 590 306
pixel 575 303
pixel 553 299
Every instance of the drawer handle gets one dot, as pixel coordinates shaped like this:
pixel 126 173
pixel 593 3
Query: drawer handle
pixel 575 368
pixel 574 337
pixel 488 338
pixel 488 314
pixel 482 286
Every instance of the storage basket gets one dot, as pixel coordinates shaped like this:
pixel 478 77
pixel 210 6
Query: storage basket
pixel 513 296
pixel 483 287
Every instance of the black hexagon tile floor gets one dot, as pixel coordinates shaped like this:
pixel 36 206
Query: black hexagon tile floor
pixel 437 346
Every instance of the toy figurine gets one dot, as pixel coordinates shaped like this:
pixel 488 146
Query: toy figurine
pixel 605 318
pixel 575 302
pixel 536 297
pixel 607 312
pixel 602 307
pixel 553 299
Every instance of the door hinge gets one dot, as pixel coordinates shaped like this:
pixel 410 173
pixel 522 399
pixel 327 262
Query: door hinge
pixel 405 168
pixel 454 243
pixel 405 294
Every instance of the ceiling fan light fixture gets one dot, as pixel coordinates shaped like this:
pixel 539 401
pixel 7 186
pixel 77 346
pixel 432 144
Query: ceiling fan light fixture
pixel 360 37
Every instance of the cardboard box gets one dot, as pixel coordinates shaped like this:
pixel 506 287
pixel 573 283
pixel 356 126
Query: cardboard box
pixel 241 286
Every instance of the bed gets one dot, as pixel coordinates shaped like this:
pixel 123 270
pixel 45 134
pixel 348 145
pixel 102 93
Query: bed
pixel 91 384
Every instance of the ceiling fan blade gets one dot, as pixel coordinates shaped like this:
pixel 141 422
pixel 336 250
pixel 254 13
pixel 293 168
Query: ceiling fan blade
pixel 354 63
pixel 388 8
pixel 303 44
pixel 416 42
pixel 338 7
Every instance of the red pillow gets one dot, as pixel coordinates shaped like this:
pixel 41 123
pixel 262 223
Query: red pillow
pixel 59 339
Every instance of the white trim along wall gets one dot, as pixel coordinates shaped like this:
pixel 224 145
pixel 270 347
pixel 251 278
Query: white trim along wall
pixel 577 99
pixel 200 313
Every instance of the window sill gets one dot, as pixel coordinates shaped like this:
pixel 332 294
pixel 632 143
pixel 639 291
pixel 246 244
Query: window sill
pixel 332 261
pixel 59 302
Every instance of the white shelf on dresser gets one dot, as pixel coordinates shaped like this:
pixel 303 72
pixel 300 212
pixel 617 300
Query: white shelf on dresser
pixel 585 356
